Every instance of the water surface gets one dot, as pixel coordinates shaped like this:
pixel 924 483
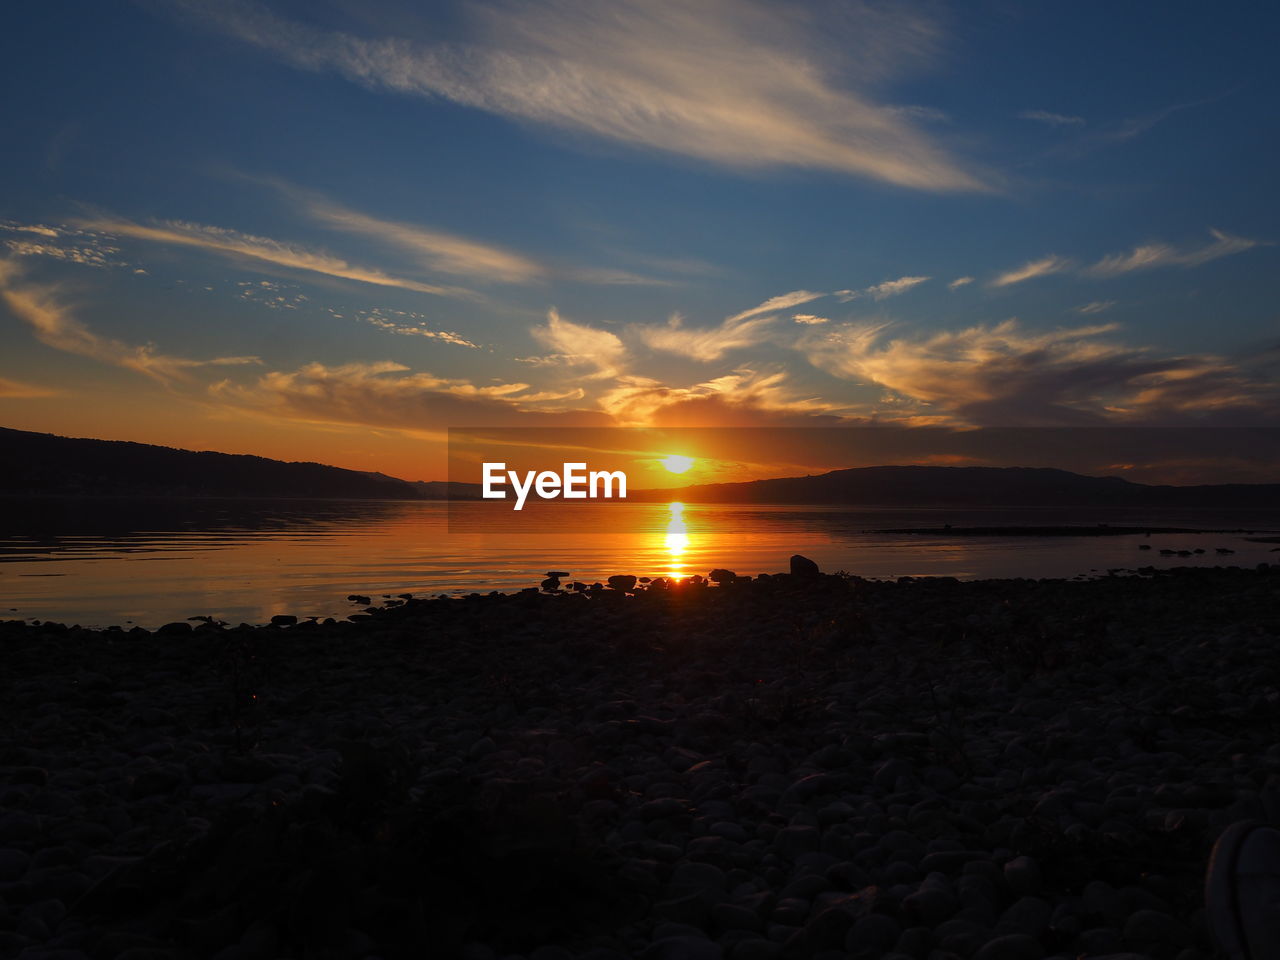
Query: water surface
pixel 103 562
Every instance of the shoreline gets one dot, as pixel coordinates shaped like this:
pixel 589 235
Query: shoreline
pixel 771 768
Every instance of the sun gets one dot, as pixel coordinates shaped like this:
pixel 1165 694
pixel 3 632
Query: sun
pixel 677 463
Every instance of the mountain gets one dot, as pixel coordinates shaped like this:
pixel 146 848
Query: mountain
pixel 41 463
pixel 918 486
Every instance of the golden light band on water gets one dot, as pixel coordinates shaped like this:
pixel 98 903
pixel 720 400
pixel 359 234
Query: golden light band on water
pixel 677 539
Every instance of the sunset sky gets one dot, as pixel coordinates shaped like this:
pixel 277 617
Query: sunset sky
pixel 330 231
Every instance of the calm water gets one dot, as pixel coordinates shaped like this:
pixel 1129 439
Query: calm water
pixel 111 562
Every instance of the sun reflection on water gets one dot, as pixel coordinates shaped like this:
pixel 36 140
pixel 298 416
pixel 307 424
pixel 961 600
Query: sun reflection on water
pixel 677 539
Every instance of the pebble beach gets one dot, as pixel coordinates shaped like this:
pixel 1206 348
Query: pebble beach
pixel 790 766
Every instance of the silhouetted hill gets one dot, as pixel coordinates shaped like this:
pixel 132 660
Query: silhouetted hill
pixel 41 463
pixel 919 486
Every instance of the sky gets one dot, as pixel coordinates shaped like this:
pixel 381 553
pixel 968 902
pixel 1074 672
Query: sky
pixel 332 231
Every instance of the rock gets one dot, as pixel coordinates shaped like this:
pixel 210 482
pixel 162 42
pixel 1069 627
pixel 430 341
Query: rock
pixel 1029 916
pixel 930 906
pixel 703 877
pixel 803 566
pixel 720 575
pixel 18 826
pixel 13 864
pixel 791 842
pixel 756 950
pixel 175 629
pixel 872 935
pixel 283 620
pixel 1014 946
pixel 1150 928
pixel 886 778
pixel 622 582
pixel 1022 874
pixel 662 808
pixel 682 948
pixel 732 916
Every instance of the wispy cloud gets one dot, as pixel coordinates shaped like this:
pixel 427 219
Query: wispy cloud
pixel 18 390
pixel 810 319
pixel 1097 306
pixel 84 247
pixel 1166 255
pixel 54 326
pixel 435 250
pixel 744 397
pixel 784 301
pixel 1034 268
pixel 959 282
pixel 389 394
pixel 745 329
pixel 1007 376
pixel 1053 119
pixel 246 247
pixel 706 343
pixel 892 288
pixel 417 328
pixel 733 82
pixel 576 344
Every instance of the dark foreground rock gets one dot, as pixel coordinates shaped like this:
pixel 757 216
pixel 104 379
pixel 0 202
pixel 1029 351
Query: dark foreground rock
pixel 798 766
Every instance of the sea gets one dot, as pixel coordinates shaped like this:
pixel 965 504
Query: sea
pixel 104 562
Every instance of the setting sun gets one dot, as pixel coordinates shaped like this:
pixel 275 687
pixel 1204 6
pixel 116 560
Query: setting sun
pixel 677 463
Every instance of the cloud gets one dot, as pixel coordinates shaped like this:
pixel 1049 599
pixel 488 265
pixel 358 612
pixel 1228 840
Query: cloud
pixel 71 246
pixel 418 330
pixel 1053 119
pixel 1097 306
pixel 810 319
pixel 783 301
pixel 244 246
pixel 744 397
pixel 891 288
pixel 39 229
pixel 959 282
pixel 576 344
pixel 1002 375
pixel 17 390
pixel 54 326
pixel 745 329
pixel 434 249
pixel 1165 255
pixel 733 82
pixel 705 343
pixel 388 394
pixel 1034 268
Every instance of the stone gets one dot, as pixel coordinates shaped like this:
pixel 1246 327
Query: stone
pixel 13 864
pixel 791 842
pixel 756 950
pixel 1022 874
pixel 803 567
pixel 1150 928
pixel 682 948
pixel 930 906
pixel 1014 946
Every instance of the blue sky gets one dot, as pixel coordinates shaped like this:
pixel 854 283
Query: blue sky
pixel 332 230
